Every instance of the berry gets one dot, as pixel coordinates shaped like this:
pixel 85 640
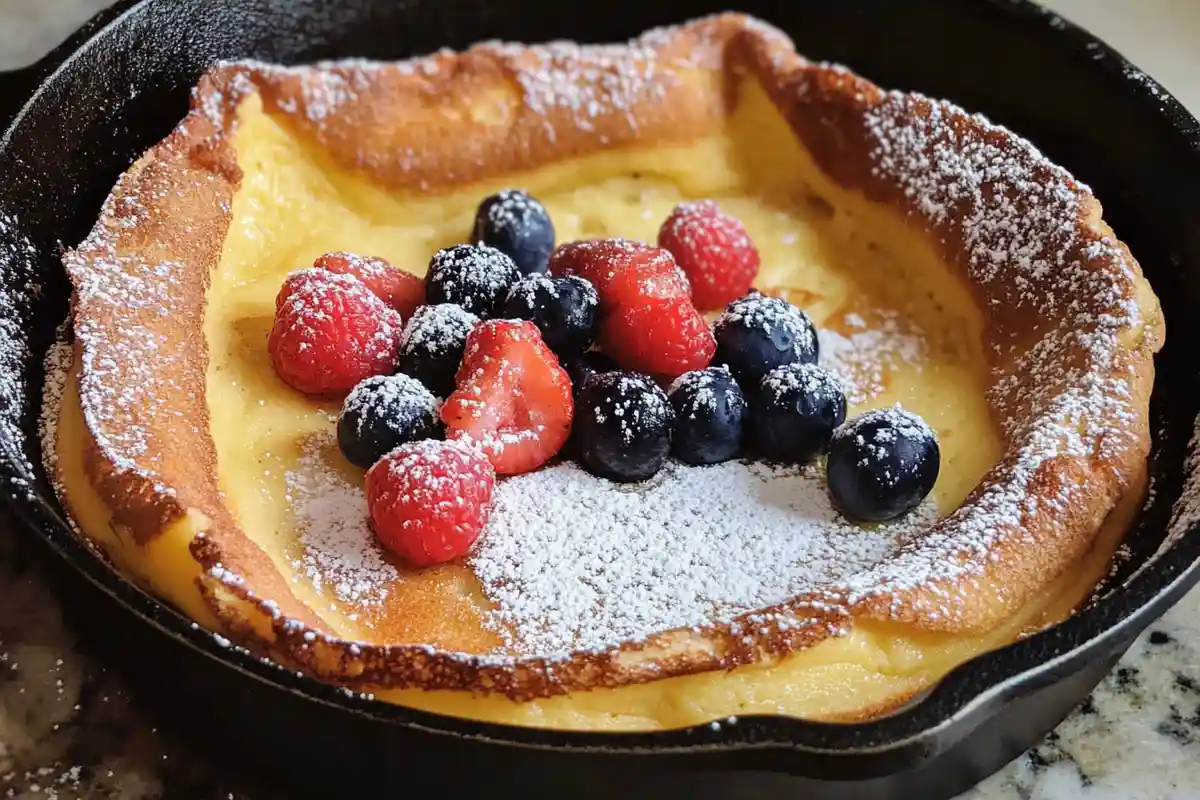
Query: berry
pixel 757 333
pixel 714 251
pixel 882 464
pixel 593 362
pixel 795 412
pixel 710 410
pixel 330 332
pixel 513 399
pixel 664 337
pixel 401 290
pixel 429 500
pixel 474 276
pixel 432 344
pixel 382 413
pixel 623 426
pixel 602 262
pixel 518 226
pixel 564 309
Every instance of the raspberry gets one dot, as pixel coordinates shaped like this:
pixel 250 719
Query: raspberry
pixel 713 249
pixel 401 290
pixel 429 500
pixel 330 332
pixel 513 399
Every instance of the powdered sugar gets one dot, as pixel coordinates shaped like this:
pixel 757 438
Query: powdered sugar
pixel 864 355
pixel 574 562
pixel 338 551
pixel 437 329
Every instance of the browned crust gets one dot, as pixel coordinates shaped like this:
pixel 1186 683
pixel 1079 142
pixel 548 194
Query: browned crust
pixel 452 119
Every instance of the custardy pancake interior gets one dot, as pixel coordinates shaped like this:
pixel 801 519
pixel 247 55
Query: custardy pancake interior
pixel 827 249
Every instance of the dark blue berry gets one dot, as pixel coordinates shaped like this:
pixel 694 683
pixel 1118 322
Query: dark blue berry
pixel 518 226
pixel 593 362
pixel 882 464
pixel 710 411
pixel 757 333
pixel 564 310
pixel 474 276
pixel 623 423
pixel 795 411
pixel 432 343
pixel 382 413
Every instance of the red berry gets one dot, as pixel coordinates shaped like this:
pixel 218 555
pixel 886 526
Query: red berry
pixel 663 337
pixel 429 500
pixel 331 332
pixel 401 290
pixel 513 399
pixel 713 249
pixel 612 264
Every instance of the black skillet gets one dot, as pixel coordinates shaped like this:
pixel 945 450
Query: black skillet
pixel 77 119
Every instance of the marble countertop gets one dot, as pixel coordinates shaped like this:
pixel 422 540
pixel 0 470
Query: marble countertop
pixel 68 727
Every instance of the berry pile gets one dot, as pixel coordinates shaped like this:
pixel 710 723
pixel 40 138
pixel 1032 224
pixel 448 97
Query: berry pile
pixel 509 349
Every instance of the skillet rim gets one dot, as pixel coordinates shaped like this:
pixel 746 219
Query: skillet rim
pixel 973 689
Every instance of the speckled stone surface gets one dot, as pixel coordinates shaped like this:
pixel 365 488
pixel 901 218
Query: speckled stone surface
pixel 69 729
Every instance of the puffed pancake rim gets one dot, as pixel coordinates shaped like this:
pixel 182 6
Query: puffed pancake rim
pixel 1068 330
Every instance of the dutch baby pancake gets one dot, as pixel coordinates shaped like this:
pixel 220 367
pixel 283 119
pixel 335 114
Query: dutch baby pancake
pixel 510 289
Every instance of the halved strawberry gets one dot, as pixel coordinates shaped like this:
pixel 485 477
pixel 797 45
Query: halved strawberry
pixel 401 290
pixel 513 398
pixel 664 337
pixel 612 265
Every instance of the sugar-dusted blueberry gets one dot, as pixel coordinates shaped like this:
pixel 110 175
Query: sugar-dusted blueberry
pixel 757 333
pixel 432 344
pixel 710 412
pixel 584 366
pixel 519 226
pixel 564 310
pixel 382 413
pixel 623 424
pixel 882 464
pixel 474 276
pixel 795 411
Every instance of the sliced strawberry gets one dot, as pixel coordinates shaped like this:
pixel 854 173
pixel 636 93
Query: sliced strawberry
pixel 665 338
pixel 401 290
pixel 512 399
pixel 608 262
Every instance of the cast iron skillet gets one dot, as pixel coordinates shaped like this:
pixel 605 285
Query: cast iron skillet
pixel 77 119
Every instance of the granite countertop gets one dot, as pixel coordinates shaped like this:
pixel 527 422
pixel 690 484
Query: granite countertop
pixel 68 728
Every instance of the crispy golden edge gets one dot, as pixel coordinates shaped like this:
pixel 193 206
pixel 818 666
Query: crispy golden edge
pixel 465 117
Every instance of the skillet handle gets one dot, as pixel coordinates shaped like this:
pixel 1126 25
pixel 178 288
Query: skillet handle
pixel 15 88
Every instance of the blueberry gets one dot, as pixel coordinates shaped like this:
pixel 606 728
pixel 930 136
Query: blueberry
pixel 882 464
pixel 382 413
pixel 564 309
pixel 474 276
pixel 710 411
pixel 795 411
pixel 432 343
pixel 518 226
pixel 757 333
pixel 623 423
pixel 593 362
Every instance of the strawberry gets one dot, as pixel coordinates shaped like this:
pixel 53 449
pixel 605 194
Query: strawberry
pixel 401 290
pixel 713 249
pixel 512 397
pixel 429 500
pixel 611 264
pixel 664 337
pixel 648 322
pixel 330 332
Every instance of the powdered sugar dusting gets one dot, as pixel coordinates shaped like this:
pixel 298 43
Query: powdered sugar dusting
pixel 338 551
pixel 57 365
pixel 863 355
pixel 575 563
